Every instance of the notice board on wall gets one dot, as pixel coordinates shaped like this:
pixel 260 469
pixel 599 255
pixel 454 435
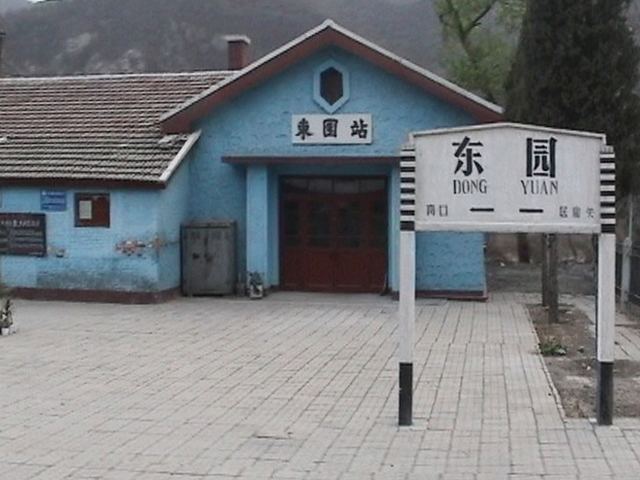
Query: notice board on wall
pixel 23 234
pixel 53 200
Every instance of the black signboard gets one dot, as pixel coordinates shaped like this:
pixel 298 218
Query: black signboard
pixel 23 234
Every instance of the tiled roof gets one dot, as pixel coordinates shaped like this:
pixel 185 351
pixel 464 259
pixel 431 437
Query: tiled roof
pixel 103 128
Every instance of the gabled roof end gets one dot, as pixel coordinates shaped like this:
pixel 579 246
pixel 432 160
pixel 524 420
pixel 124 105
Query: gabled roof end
pixel 328 33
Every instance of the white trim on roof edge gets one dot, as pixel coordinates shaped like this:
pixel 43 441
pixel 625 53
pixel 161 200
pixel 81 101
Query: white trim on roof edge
pixel 422 71
pixel 180 156
pixel 330 24
pixel 498 125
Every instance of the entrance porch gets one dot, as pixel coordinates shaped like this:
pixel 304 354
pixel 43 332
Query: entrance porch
pixel 338 243
pixel 325 227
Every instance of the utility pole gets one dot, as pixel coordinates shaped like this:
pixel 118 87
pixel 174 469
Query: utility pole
pixel 552 285
pixel 550 293
pixel 544 264
pixel 627 247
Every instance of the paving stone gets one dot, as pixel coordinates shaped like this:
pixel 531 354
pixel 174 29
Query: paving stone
pixel 291 387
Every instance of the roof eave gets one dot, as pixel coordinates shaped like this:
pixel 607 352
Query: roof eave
pixel 180 156
pixel 59 182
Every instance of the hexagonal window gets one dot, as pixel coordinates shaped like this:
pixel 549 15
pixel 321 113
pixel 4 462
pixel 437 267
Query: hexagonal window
pixel 331 85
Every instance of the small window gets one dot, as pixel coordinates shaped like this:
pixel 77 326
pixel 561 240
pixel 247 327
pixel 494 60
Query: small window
pixel 331 88
pixel 93 210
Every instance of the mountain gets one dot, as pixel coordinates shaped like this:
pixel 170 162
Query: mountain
pixel 57 37
pixel 65 37
pixel 12 5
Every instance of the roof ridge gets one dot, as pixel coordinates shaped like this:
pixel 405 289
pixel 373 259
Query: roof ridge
pixel 99 76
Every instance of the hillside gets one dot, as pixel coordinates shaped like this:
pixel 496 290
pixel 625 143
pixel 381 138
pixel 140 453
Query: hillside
pixel 12 5
pixel 56 37
pixel 94 36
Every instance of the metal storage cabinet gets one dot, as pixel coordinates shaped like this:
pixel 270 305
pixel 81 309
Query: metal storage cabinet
pixel 208 258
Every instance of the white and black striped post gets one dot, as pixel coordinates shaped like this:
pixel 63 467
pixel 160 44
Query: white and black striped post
pixel 407 285
pixel 606 309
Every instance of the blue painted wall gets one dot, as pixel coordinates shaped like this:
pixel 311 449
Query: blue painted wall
pixel 259 212
pixel 87 258
pixel 173 211
pixel 259 123
pixel 204 188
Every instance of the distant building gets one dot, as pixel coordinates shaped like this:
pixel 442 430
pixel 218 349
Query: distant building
pixel 300 149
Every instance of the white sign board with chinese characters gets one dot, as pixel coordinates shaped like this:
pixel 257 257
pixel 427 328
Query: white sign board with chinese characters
pixel 344 129
pixel 508 178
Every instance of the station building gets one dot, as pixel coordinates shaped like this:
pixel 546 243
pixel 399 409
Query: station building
pixel 299 149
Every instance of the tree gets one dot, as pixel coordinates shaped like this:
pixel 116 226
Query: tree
pixel 480 44
pixel 576 66
pixel 479 40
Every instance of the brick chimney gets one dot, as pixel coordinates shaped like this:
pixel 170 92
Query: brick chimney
pixel 238 51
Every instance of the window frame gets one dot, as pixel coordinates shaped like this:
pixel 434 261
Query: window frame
pixel 317 86
pixel 332 85
pixel 94 222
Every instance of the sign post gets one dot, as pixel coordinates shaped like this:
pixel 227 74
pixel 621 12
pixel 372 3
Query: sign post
pixel 606 308
pixel 514 178
pixel 407 298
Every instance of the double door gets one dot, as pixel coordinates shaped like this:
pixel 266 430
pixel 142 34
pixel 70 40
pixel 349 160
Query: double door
pixel 333 234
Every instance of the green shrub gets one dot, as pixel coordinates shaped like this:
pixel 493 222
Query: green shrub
pixel 551 347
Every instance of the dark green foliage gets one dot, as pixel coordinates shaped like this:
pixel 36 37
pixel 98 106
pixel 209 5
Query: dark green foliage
pixel 480 42
pixel 576 67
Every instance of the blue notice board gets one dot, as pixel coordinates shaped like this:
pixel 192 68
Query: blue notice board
pixel 53 201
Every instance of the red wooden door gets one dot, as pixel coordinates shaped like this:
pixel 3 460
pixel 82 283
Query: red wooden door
pixel 333 234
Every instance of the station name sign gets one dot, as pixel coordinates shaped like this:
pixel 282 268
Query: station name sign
pixel 344 129
pixel 509 178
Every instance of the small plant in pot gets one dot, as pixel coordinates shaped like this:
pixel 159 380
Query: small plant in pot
pixel 6 312
pixel 256 286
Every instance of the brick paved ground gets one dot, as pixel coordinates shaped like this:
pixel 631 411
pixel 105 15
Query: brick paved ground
pixel 208 389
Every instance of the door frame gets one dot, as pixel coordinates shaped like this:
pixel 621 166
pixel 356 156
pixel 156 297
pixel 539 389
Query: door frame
pixel 281 217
